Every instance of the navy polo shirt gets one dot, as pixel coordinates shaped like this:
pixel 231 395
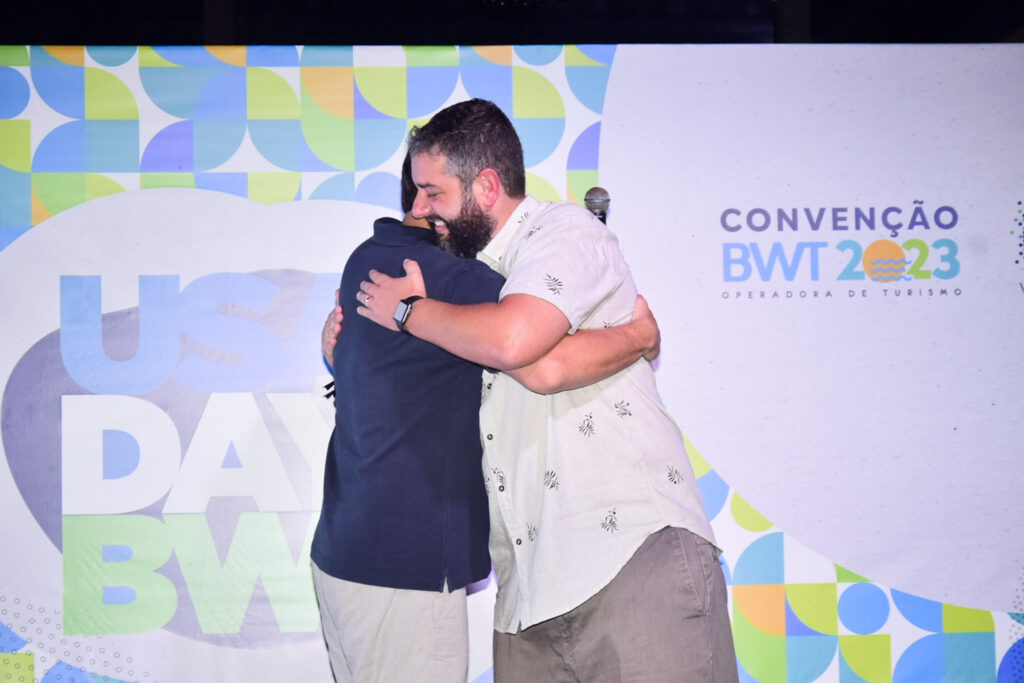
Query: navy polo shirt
pixel 404 500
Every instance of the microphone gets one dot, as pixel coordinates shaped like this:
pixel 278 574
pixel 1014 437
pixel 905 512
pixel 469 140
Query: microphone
pixel 596 200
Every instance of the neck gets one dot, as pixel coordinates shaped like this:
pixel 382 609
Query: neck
pixel 503 210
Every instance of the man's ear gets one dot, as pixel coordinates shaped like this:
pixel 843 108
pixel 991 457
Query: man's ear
pixel 487 188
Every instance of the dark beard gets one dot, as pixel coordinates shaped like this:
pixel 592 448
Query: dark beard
pixel 469 232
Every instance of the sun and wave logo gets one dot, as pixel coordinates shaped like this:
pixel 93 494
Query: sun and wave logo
pixel 885 261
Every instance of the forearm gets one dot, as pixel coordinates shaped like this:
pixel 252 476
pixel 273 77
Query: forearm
pixel 584 358
pixel 505 336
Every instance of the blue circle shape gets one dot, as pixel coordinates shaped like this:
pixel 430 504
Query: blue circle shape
pixel 14 92
pixel 864 608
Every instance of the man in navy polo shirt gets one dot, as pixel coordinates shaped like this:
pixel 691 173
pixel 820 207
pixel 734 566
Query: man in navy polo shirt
pixel 404 524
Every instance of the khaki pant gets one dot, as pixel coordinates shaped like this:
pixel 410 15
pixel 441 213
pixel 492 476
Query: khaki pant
pixel 662 619
pixel 392 635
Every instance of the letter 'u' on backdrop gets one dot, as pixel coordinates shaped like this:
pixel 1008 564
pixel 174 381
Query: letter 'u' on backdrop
pixel 831 238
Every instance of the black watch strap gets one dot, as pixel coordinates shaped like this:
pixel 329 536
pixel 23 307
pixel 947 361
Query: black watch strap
pixel 403 309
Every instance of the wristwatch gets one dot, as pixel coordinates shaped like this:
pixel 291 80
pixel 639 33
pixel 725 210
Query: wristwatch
pixel 403 309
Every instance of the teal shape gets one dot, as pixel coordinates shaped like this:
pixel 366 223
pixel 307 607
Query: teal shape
pixel 847 674
pixel 215 141
pixel 583 155
pixel 540 137
pixel 538 55
pixel 177 90
pixel 762 562
pixel 923 613
pixel 15 205
pixel 111 146
pixel 272 55
pixel 381 189
pixel 327 55
pixel 589 84
pixel 282 143
pixel 14 92
pixel 341 186
pixel 970 656
pixel 864 608
pixel 89 147
pixel 428 88
pixel 376 141
pixel 808 658
pixel 111 55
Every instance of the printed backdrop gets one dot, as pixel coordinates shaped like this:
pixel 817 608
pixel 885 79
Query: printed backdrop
pixel 830 237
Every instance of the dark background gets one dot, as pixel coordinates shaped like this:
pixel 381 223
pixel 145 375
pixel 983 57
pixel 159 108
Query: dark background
pixel 497 22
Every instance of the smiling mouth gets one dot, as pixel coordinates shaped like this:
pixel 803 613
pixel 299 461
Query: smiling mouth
pixel 439 227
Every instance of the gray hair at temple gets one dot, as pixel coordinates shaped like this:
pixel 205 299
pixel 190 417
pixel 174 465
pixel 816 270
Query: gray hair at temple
pixel 474 135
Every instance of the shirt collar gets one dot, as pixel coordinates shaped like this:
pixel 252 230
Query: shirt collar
pixel 495 250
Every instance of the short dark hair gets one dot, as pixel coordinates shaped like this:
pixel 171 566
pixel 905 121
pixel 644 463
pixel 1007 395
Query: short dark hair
pixel 474 135
pixel 409 188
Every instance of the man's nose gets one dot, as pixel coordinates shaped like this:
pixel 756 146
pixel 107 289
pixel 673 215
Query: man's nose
pixel 421 205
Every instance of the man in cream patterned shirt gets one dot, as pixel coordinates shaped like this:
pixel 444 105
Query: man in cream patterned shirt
pixel 605 558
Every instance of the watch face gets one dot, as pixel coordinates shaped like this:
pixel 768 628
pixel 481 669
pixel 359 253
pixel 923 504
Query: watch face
pixel 401 313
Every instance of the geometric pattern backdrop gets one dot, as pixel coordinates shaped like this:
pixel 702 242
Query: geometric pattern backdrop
pixel 285 124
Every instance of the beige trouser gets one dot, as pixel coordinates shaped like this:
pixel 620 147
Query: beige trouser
pixel 390 635
pixel 662 619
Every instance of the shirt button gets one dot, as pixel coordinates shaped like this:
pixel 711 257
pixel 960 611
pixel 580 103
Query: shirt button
pixel 490 437
pixel 488 385
pixel 501 488
pixel 519 541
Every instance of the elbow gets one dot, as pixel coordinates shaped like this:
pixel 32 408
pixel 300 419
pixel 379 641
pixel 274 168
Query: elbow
pixel 546 377
pixel 518 348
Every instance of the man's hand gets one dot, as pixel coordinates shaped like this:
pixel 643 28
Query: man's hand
pixel 332 328
pixel 379 297
pixel 647 328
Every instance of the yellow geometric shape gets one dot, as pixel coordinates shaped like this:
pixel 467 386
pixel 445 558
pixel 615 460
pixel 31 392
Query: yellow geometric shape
pixel 229 54
pixel 16 145
pixel 17 667
pixel 73 55
pixel 870 657
pixel 534 96
pixel 697 461
pixel 384 89
pixel 764 606
pixel 331 88
pixel 149 57
pixel 747 517
pixel 270 96
pixel 274 187
pixel 97 186
pixel 966 620
pixel 541 189
pixel 816 605
pixel 107 97
pixel 575 57
pixel 431 55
